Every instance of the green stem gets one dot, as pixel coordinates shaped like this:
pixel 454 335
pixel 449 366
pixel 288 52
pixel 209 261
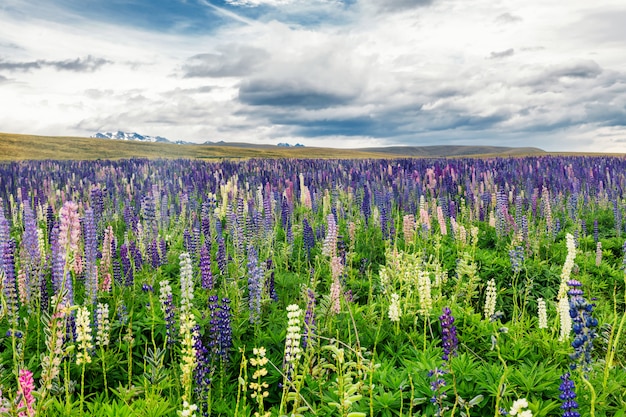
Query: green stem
pixel 104 373
pixel 501 382
pixel 613 341
pixel 82 389
pixel 592 411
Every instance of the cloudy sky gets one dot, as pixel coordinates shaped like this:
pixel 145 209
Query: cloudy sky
pixel 343 73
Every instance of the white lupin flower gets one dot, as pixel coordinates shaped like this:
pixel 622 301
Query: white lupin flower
pixel 104 324
pixel 568 265
pixel 517 406
pixel 564 318
pixel 563 301
pixel 165 291
pixel 83 336
pixel 491 296
pixel 423 288
pixel 394 308
pixel 542 314
pixel 189 410
pixel 186 282
pixel 294 334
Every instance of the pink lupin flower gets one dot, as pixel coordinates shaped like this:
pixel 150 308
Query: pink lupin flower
pixel 105 263
pixel 69 234
pixel 335 297
pixel 442 221
pixel 26 388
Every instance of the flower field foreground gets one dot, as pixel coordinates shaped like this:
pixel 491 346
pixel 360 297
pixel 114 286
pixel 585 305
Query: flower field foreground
pixel 313 288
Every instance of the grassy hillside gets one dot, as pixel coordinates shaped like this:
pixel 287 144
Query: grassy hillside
pixel 456 151
pixel 24 147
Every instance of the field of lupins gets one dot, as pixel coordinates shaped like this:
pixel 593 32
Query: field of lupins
pixel 345 288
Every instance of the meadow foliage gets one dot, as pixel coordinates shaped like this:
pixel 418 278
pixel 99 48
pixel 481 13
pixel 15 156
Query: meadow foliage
pixel 301 287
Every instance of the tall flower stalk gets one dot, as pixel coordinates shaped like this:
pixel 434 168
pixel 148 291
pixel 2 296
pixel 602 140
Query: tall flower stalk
pixel 188 333
pixel 85 345
pixel 103 330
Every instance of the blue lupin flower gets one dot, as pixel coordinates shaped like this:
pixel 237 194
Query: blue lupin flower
pixel 583 325
pixel 516 256
pixel 568 396
pixel 438 388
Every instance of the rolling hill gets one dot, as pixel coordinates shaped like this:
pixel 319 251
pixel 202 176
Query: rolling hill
pixel 26 147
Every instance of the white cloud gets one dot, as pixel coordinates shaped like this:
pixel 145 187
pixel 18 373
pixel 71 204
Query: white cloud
pixel 538 72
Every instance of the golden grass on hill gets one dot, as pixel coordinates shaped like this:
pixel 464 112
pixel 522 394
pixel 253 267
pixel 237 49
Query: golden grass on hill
pixel 27 147
pixel 15 147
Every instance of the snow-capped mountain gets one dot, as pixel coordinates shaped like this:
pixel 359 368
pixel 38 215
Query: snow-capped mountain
pixel 119 135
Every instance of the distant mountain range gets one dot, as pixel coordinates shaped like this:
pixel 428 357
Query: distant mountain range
pixel 134 136
pixel 392 151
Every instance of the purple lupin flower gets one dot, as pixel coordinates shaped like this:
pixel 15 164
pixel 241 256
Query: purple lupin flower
pixel 188 241
pixel 449 340
pixel 127 268
pixel 58 260
pixel 153 250
pixel 309 320
pixel 205 268
pixel 205 220
pixel 163 251
pixel 270 283
pixel 308 238
pixel 50 222
pixel 136 255
pixel 30 257
pixel 10 286
pixel 220 331
pixel 221 255
pixel 365 204
pixel 284 213
pixel 255 285
pixel 4 235
pixel 202 371
pixel 91 253
pixel 268 215
pixel 224 329
pixel 568 396
pixel 97 202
